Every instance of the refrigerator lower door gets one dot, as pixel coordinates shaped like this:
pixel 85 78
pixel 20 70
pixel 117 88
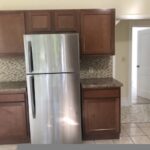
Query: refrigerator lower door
pixel 54 108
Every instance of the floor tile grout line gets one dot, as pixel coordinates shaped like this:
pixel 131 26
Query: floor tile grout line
pixel 144 132
pixel 104 140
pixel 143 127
pixel 127 137
pixel 113 141
pixel 140 130
pixel 137 126
pixel 132 140
pixel 131 137
pixel 148 137
pixel 141 136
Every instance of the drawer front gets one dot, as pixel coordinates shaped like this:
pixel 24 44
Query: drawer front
pixel 98 93
pixel 12 97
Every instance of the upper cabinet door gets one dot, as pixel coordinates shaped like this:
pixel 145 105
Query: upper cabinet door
pixel 12 28
pixel 97 32
pixel 38 21
pixel 66 20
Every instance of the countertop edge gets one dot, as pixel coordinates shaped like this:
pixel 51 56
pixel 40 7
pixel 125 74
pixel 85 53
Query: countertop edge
pixel 11 87
pixel 100 83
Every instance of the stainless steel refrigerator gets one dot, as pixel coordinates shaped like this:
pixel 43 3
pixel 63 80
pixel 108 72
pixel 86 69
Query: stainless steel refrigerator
pixel 53 85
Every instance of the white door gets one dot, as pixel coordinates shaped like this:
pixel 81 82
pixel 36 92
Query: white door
pixel 143 77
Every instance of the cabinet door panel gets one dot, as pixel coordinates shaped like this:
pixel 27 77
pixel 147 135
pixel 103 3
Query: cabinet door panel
pixel 97 32
pixel 101 115
pixel 66 20
pixel 38 21
pixel 12 28
pixel 13 123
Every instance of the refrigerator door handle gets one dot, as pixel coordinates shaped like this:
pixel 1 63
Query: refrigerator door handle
pixel 33 101
pixel 30 56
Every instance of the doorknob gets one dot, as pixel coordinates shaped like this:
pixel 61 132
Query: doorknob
pixel 138 66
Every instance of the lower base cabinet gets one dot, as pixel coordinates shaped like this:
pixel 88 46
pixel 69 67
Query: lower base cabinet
pixel 14 125
pixel 101 113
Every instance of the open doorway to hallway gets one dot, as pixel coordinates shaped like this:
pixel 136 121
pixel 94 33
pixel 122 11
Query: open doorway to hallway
pixel 140 86
pixel 130 112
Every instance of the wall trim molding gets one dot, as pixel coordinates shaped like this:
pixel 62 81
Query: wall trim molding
pixel 132 17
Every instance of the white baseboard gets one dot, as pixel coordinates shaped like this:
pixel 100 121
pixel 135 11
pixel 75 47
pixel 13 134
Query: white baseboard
pixel 125 101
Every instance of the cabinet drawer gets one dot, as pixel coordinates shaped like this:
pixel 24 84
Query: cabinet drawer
pixel 12 97
pixel 98 93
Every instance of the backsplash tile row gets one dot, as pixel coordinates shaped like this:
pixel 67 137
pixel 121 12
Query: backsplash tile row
pixel 96 67
pixel 12 69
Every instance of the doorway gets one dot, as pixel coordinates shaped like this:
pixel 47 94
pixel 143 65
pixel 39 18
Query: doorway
pixel 140 72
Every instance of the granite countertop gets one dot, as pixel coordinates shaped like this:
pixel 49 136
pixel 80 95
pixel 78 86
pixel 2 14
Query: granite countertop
pixel 100 83
pixel 13 87
pixel 20 86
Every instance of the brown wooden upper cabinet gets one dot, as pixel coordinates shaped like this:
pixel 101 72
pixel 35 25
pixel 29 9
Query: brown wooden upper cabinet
pixel 38 21
pixel 97 31
pixel 96 28
pixel 52 21
pixel 66 20
pixel 12 28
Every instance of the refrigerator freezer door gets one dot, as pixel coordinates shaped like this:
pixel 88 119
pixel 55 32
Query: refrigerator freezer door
pixel 51 53
pixel 57 105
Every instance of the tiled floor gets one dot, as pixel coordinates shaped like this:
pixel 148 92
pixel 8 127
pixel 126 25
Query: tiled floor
pixel 135 113
pixel 141 100
pixel 8 147
pixel 131 133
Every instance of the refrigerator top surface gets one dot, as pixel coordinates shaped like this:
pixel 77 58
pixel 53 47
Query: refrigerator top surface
pixel 51 53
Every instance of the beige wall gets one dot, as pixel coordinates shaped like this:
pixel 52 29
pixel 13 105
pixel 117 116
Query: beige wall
pixel 56 4
pixel 122 55
pixel 134 7
pixel 123 7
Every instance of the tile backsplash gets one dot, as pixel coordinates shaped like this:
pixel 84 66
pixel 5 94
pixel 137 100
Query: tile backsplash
pixel 96 67
pixel 12 69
